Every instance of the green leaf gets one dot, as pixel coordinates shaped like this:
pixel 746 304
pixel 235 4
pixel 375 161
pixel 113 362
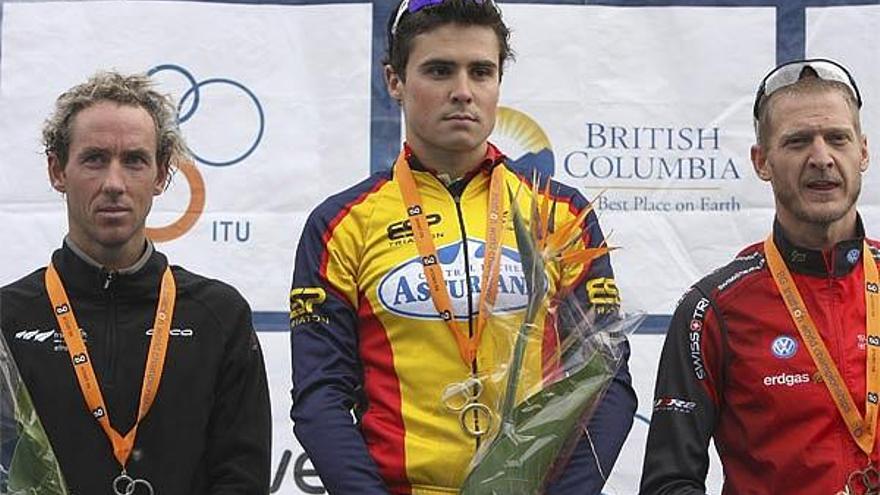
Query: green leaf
pixel 34 469
pixel 524 450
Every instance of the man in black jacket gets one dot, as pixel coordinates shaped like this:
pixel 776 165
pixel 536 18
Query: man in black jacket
pixel 147 377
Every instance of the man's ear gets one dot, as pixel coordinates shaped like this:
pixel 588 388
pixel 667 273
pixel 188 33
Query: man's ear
pixel 161 178
pixel 759 161
pixel 57 177
pixel 866 159
pixel 394 83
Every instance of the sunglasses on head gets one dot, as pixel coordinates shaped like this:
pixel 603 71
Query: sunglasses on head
pixel 413 6
pixel 792 72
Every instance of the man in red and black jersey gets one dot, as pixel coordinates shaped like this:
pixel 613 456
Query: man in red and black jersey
pixel 770 356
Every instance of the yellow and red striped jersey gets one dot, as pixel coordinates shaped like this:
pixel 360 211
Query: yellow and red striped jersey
pixel 366 336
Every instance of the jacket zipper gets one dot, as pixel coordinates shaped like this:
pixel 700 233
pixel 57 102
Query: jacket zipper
pixel 837 323
pixel 109 327
pixel 456 196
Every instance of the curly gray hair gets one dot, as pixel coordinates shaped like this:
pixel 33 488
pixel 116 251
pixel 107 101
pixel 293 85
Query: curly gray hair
pixel 136 90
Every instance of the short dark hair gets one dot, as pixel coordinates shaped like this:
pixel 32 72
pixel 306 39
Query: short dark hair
pixel 462 12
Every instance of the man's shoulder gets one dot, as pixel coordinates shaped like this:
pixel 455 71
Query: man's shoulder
pixel 745 268
pixel 214 293
pixel 345 200
pixel 21 302
pixel 28 286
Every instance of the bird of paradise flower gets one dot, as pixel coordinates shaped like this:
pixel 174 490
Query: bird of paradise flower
pixel 533 434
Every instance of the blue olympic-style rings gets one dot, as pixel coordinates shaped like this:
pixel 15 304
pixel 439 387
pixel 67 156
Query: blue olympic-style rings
pixel 193 93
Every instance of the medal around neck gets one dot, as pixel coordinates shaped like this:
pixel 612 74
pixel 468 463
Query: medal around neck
pixel 528 407
pixel 126 485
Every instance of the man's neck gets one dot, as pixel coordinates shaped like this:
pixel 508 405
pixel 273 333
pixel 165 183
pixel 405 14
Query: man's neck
pixel 452 164
pixel 113 259
pixel 818 236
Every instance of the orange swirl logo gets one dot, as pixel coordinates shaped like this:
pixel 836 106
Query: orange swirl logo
pixel 192 212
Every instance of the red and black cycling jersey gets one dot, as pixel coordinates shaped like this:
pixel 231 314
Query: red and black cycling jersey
pixel 735 369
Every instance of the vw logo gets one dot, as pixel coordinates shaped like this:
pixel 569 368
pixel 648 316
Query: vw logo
pixel 852 256
pixel 784 347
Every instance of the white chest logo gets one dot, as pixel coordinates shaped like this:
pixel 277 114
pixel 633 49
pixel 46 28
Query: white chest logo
pixel 784 347
pixel 405 292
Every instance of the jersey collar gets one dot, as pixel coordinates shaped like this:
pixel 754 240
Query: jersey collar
pixel 83 275
pixel 837 261
pixel 492 158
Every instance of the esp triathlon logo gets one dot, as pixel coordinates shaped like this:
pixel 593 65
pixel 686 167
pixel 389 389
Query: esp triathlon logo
pixel 304 305
pixel 403 290
pixel 304 299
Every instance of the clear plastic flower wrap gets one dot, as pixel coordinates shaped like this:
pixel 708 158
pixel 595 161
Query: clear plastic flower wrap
pixel 27 463
pixel 558 359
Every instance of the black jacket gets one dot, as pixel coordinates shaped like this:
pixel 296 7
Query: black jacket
pixel 208 431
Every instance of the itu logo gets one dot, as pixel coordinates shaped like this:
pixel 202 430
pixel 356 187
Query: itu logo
pixel 201 104
pixel 784 347
pixel 523 140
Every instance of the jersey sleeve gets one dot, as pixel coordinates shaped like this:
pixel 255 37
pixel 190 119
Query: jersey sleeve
pixel 685 401
pixel 238 453
pixel 600 443
pixel 327 376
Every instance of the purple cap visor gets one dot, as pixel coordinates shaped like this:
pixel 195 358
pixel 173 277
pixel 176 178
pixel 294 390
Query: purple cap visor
pixel 413 6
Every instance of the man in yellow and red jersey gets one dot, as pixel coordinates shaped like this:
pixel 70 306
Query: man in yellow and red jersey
pixel 371 336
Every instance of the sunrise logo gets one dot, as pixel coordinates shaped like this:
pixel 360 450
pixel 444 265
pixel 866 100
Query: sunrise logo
pixel 524 142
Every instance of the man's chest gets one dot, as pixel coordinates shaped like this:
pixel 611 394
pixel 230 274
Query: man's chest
pixel 770 366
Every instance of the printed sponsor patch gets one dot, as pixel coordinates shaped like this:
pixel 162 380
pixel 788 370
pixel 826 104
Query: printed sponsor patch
pixel 754 262
pixel 35 335
pixel 53 337
pixel 853 256
pixel 405 292
pixel 175 332
pixel 784 347
pixel 695 338
pixel 672 404
pixel 603 294
pixel 304 302
pixel 786 379
pixel 402 230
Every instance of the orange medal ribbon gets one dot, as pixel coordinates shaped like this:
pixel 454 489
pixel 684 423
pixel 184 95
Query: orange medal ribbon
pixel 467 345
pixel 82 363
pixel 863 430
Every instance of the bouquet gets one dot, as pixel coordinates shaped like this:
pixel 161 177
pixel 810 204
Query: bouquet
pixel 539 426
pixel 27 462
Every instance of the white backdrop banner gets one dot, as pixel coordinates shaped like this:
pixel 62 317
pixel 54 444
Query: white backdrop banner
pixel 649 106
